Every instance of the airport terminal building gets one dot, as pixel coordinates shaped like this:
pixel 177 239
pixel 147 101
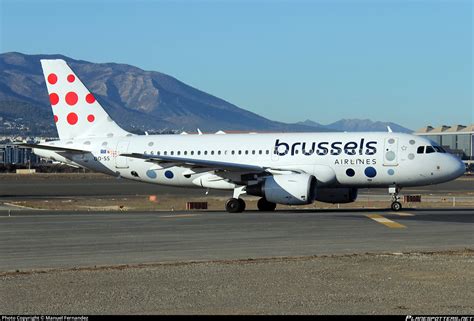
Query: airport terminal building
pixel 459 139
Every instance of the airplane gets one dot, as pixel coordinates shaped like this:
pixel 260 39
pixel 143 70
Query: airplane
pixel 280 168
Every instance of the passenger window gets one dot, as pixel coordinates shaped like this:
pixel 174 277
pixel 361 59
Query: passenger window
pixel 172 152
pixel 199 152
pixel 260 152
pixel 212 152
pixel 233 152
pixel 268 152
pixel 429 149
pixel 165 153
pixel 253 152
pixel 240 152
pixel 179 152
pixel 219 152
pixel 205 152
pixel 420 150
pixel 158 153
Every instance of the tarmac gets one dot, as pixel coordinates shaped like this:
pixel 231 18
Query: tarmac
pixel 44 240
pixel 369 261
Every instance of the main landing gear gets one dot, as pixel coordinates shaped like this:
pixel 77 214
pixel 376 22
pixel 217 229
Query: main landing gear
pixel 235 205
pixel 265 206
pixel 396 205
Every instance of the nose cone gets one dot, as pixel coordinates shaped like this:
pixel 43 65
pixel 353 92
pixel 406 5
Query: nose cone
pixel 457 167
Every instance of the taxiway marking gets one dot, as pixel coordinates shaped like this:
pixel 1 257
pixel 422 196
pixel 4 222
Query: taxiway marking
pixel 402 214
pixel 385 221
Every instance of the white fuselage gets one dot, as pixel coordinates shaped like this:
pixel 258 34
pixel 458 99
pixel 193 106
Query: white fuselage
pixel 365 159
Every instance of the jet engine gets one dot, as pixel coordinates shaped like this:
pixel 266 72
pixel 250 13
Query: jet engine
pixel 336 195
pixel 289 189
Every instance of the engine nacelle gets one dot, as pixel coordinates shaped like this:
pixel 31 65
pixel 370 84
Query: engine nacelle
pixel 336 195
pixel 290 189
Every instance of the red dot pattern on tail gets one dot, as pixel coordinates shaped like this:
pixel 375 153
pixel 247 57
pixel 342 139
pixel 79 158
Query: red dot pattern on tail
pixel 72 118
pixel 71 98
pixel 52 79
pixel 53 98
pixel 90 98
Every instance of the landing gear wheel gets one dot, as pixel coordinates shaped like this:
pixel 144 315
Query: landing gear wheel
pixel 235 205
pixel 241 205
pixel 265 206
pixel 396 206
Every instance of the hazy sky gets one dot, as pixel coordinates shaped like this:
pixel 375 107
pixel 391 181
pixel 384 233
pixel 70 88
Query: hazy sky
pixel 404 61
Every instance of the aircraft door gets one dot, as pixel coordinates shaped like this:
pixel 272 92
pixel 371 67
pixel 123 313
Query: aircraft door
pixel 121 161
pixel 390 155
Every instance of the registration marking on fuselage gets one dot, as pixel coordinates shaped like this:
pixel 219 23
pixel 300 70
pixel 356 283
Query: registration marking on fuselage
pixel 385 221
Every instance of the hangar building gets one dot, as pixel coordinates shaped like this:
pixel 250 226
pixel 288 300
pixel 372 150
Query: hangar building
pixel 458 139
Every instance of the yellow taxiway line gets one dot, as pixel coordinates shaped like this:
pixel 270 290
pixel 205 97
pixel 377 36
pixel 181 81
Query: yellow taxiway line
pixel 402 214
pixel 385 221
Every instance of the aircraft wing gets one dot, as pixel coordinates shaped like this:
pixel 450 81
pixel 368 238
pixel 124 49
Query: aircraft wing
pixel 191 162
pixel 54 148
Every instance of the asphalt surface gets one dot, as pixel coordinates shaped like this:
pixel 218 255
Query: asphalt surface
pixel 32 186
pixel 42 240
pixel 212 262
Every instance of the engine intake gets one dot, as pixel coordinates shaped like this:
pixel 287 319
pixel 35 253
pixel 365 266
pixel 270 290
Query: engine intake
pixel 291 189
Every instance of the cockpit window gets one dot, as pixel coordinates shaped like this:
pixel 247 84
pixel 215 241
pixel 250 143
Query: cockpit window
pixel 430 149
pixel 439 149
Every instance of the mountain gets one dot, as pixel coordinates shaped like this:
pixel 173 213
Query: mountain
pixel 136 99
pixel 359 125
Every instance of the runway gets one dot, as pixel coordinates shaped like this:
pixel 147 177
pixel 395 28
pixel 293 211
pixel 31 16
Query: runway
pixel 44 240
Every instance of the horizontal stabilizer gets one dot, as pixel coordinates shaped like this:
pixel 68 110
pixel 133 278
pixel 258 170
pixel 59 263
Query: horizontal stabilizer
pixel 53 148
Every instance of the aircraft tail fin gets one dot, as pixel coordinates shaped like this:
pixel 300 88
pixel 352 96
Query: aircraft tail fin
pixel 77 113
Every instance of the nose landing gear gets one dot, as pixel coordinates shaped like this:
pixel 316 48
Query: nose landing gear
pixel 396 205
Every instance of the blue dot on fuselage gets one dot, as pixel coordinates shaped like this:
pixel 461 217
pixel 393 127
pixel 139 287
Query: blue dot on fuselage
pixel 151 174
pixel 370 172
pixel 391 171
pixel 169 174
pixel 350 172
